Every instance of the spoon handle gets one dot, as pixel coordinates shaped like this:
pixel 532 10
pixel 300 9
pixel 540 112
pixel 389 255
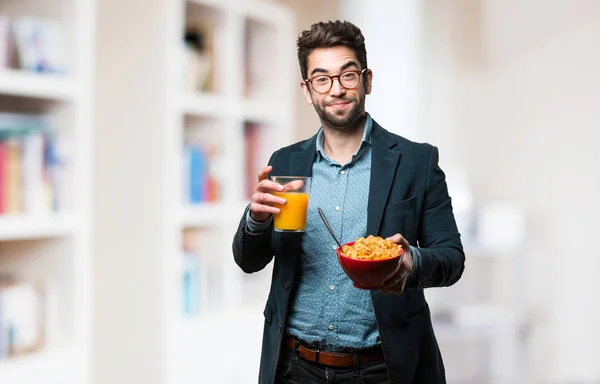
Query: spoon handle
pixel 328 226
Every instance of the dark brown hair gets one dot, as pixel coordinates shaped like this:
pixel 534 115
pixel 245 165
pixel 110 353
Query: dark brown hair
pixel 330 34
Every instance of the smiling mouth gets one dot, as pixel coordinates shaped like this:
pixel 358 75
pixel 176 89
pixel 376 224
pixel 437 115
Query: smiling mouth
pixel 339 105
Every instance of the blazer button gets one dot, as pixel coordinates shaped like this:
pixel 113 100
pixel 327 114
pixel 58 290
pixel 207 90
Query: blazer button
pixel 288 284
pixel 280 328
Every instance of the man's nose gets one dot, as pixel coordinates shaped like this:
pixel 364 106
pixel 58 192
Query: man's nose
pixel 336 87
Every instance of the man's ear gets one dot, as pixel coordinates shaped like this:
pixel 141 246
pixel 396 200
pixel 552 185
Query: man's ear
pixel 306 91
pixel 368 81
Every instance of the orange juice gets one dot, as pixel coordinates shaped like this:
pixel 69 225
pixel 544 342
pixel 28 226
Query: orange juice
pixel 292 216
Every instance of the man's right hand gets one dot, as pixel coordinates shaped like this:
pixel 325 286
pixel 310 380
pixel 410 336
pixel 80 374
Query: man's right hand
pixel 262 198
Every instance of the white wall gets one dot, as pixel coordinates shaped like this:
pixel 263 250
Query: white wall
pixel 523 82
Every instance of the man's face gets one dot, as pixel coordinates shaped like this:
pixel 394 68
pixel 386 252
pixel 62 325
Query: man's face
pixel 340 107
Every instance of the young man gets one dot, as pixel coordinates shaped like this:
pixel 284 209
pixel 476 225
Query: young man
pixel 319 328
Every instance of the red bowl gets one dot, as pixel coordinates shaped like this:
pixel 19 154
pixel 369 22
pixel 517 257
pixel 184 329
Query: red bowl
pixel 369 274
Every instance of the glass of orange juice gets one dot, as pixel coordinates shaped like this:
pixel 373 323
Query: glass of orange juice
pixel 292 215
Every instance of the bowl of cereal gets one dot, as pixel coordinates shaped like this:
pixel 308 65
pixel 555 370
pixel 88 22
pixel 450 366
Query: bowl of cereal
pixel 370 261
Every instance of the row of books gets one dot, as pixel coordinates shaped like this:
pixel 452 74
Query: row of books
pixel 200 180
pixel 30 165
pixel 32 44
pixel 21 317
pixel 201 157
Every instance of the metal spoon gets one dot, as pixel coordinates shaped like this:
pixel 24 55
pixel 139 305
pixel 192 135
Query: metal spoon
pixel 328 226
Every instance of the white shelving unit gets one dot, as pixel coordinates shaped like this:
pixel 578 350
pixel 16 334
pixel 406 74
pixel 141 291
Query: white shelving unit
pixel 146 115
pixel 53 249
pixel 262 33
pixel 38 85
pixel 32 227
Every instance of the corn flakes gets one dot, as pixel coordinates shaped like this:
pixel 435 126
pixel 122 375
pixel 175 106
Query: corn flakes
pixel 371 248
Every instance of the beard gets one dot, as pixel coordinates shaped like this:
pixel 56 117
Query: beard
pixel 343 119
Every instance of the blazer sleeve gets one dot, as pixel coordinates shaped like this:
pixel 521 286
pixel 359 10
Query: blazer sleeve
pixel 252 251
pixel 442 259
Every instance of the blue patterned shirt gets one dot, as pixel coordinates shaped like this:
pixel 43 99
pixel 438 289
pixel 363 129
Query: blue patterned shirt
pixel 328 312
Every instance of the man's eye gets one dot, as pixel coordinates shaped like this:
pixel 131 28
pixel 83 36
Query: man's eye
pixel 321 79
pixel 349 76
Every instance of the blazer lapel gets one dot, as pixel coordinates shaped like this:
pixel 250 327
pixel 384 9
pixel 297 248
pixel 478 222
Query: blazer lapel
pixel 384 161
pixel 301 162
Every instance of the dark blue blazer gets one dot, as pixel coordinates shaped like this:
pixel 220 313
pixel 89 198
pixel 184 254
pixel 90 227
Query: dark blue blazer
pixel 408 195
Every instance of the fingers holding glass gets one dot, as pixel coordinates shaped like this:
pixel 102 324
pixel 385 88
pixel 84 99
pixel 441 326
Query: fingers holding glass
pixel 263 198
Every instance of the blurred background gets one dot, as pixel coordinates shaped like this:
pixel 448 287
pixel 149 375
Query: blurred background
pixel 131 133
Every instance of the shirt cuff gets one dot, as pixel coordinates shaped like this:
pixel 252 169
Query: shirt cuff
pixel 255 227
pixel 416 256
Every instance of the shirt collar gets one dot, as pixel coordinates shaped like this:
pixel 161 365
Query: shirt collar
pixel 366 138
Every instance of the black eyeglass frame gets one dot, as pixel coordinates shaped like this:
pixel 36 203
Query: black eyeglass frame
pixel 331 78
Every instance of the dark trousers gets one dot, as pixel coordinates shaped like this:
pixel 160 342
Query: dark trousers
pixel 293 369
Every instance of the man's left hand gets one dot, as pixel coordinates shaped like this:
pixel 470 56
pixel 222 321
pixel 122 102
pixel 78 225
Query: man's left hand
pixel 396 283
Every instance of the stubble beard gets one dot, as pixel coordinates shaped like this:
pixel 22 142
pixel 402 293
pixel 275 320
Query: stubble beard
pixel 341 121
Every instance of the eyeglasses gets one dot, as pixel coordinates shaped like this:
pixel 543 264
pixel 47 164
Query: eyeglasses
pixel 347 79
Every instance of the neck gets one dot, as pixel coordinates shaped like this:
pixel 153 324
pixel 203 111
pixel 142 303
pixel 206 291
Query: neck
pixel 341 143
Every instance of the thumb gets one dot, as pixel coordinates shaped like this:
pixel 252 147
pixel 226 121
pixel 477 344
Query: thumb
pixel 397 238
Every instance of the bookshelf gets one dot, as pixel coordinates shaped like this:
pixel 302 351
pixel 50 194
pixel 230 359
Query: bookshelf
pixel 251 101
pixel 174 97
pixel 45 121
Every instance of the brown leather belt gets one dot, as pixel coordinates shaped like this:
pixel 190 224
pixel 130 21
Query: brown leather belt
pixel 335 359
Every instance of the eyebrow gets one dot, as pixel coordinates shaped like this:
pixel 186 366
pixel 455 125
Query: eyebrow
pixel 349 64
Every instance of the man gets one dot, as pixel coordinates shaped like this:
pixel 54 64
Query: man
pixel 368 181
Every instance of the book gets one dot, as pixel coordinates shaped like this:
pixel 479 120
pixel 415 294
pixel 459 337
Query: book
pixel 32 165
